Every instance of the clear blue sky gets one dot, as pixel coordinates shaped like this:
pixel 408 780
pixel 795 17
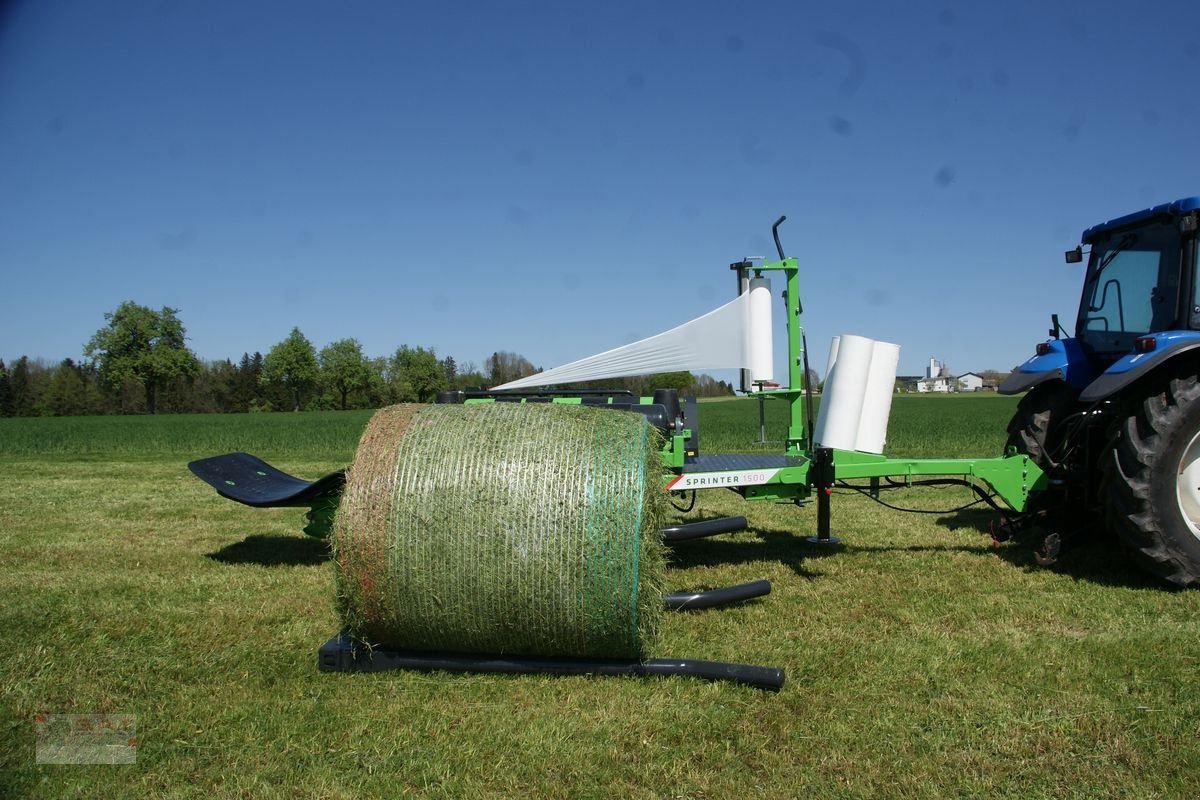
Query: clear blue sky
pixel 558 178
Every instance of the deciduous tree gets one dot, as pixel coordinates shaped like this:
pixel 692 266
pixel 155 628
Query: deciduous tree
pixel 142 345
pixel 344 369
pixel 503 366
pixel 291 365
pixel 415 374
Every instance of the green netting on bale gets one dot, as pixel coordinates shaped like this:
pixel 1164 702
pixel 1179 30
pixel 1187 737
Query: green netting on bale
pixel 502 528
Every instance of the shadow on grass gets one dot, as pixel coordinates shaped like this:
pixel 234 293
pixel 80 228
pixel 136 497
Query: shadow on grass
pixel 774 545
pixel 274 551
pixel 982 520
pixel 1092 556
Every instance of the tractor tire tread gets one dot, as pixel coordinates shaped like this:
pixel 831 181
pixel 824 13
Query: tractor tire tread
pixel 1129 471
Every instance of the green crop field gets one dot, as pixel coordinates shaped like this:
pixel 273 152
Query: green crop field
pixel 921 661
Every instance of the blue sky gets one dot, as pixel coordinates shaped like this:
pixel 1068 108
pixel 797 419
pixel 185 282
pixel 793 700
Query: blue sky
pixel 559 178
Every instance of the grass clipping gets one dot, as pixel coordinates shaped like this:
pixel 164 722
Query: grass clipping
pixel 503 528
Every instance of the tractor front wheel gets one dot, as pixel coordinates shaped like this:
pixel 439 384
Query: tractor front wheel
pixel 1153 480
pixel 1036 429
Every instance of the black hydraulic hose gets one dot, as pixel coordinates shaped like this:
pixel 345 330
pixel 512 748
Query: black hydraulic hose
pixel 703 528
pixel 687 601
pixel 691 503
pixel 808 394
pixel 984 497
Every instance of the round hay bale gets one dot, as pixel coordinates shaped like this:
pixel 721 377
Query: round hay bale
pixel 502 528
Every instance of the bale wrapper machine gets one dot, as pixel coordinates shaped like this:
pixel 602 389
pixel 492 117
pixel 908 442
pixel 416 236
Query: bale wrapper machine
pixel 805 471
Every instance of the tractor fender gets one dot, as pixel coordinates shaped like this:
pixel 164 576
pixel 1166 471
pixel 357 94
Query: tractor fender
pixel 1169 345
pixel 1065 361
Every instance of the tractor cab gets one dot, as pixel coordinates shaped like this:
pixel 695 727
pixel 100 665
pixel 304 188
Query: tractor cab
pixel 1138 281
pixel 1140 304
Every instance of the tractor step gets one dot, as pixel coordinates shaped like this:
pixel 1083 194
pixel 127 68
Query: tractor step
pixel 249 480
pixel 342 653
pixel 703 528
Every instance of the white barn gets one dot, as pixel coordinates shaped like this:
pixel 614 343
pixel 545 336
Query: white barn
pixel 969 382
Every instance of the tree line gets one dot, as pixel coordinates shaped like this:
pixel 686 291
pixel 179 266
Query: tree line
pixel 139 363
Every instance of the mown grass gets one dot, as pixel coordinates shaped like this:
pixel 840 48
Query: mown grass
pixel 921 661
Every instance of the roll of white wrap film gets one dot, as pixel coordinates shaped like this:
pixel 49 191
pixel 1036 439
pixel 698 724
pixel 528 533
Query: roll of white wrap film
pixel 717 340
pixel 857 400
pixel 833 351
pixel 762 352
pixel 845 389
pixel 877 400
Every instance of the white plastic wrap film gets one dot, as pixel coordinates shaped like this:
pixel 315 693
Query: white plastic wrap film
pixel 761 360
pixel 877 399
pixel 833 351
pixel 845 390
pixel 716 340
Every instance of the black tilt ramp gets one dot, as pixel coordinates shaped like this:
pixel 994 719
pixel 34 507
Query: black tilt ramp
pixel 250 480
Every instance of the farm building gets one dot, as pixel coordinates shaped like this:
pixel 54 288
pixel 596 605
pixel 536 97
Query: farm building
pixel 969 382
pixel 938 379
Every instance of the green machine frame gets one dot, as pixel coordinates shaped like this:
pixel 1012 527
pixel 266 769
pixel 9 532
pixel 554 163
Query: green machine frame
pixel 804 469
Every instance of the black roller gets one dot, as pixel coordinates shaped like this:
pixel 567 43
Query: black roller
pixel 342 654
pixel 449 397
pixel 668 399
pixel 655 414
pixel 686 601
pixel 703 528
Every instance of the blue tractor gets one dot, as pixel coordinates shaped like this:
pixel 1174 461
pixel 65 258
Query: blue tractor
pixel 1112 414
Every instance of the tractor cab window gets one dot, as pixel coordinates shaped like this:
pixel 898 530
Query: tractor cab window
pixel 1132 287
pixel 1195 309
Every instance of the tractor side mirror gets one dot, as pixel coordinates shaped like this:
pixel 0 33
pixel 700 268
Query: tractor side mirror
pixel 1074 256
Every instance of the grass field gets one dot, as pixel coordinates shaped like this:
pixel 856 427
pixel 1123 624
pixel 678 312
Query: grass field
pixel 921 662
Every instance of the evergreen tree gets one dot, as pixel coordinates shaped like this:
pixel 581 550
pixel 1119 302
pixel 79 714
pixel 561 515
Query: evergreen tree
pixel 5 392
pixel 450 370
pixel 247 386
pixel 20 389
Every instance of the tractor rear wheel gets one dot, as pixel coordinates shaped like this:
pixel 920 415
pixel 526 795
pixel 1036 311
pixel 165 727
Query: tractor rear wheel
pixel 1036 428
pixel 1152 477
